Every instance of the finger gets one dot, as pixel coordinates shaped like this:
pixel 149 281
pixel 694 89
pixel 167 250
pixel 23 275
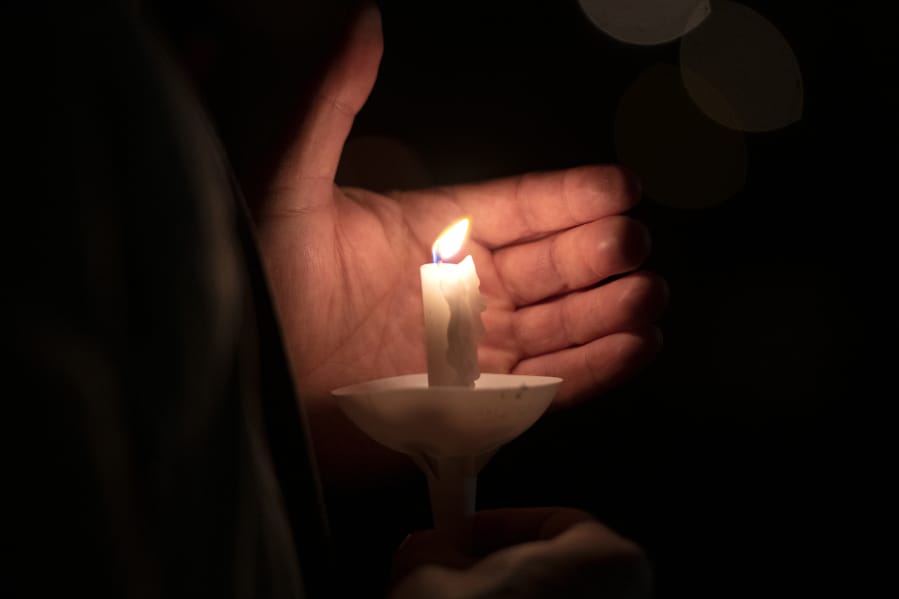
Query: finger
pixel 541 552
pixel 597 366
pixel 584 559
pixel 532 205
pixel 579 537
pixel 496 529
pixel 524 207
pixel 580 317
pixel 429 547
pixel 491 530
pixel 573 259
pixel 346 86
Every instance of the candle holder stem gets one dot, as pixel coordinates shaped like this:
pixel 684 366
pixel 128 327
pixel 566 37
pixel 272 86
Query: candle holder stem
pixel 452 505
pixel 452 486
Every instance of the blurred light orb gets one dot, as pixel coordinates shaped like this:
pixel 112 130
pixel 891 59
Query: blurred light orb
pixel 744 58
pixel 645 22
pixel 683 159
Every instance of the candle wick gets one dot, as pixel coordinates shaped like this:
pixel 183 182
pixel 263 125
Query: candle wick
pixel 435 257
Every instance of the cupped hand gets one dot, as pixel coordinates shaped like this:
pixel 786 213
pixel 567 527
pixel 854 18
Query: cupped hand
pixel 343 264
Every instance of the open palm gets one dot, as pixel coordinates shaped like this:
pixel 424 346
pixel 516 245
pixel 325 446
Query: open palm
pixel 344 263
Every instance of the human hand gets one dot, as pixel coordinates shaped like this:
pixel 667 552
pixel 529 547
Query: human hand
pixel 523 553
pixel 343 264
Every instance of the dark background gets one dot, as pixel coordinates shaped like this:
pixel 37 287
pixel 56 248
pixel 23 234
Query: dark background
pixel 748 458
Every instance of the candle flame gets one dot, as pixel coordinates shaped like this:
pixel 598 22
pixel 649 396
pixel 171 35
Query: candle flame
pixel 450 241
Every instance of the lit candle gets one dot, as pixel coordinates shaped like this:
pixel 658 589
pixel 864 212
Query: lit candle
pixel 452 308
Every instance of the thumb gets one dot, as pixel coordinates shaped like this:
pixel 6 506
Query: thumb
pixel 315 152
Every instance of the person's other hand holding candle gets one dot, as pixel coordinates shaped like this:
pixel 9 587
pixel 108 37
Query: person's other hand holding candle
pixel 531 553
pixel 344 270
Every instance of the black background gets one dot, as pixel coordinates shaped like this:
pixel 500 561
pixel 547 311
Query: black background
pixel 748 458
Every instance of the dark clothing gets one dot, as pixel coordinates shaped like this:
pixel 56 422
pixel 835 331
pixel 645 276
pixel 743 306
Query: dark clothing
pixel 166 455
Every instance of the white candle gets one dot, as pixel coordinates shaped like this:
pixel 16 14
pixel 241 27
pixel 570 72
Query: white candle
pixel 452 308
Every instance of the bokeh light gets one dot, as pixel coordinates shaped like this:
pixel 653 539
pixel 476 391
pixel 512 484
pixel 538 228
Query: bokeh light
pixel 740 55
pixel 682 158
pixel 645 22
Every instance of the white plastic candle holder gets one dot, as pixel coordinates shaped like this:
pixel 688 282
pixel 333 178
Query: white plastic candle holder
pixel 450 432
